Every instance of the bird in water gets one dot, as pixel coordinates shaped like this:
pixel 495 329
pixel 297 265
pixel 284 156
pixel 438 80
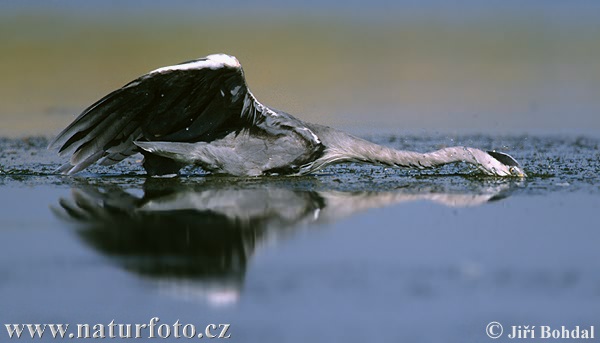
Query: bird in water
pixel 201 112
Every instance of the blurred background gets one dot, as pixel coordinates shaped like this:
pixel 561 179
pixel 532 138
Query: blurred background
pixel 459 66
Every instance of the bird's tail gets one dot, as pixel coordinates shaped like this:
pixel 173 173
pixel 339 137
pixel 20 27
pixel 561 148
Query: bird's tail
pixel 180 152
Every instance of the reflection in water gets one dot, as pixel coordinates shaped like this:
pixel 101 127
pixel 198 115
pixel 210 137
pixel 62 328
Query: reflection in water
pixel 196 240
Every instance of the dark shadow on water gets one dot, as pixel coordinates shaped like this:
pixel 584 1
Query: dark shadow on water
pixel 196 239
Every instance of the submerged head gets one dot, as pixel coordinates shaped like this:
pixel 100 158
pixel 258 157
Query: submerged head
pixel 501 164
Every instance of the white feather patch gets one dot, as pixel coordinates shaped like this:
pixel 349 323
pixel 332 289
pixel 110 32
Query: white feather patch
pixel 213 62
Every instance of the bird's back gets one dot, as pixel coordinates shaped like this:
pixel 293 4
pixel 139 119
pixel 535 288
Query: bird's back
pixel 264 149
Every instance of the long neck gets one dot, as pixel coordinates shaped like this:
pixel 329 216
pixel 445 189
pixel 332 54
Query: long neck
pixel 342 147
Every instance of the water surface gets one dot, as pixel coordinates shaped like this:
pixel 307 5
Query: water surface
pixel 352 253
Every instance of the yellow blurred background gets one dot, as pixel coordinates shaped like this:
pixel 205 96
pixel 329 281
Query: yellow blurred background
pixel 501 66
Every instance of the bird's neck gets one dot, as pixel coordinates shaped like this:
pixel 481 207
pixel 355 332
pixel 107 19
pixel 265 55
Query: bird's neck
pixel 342 147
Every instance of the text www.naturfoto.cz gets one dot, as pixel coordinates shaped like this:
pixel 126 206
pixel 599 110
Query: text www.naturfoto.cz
pixel 114 330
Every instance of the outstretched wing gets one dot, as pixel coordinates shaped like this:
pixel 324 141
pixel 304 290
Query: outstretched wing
pixel 199 100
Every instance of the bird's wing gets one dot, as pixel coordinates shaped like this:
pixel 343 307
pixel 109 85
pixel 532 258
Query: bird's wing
pixel 199 100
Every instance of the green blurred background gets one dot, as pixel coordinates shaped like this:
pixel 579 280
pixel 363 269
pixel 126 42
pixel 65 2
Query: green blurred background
pixel 474 66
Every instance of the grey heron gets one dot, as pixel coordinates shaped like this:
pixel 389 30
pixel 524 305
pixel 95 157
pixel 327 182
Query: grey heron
pixel 202 112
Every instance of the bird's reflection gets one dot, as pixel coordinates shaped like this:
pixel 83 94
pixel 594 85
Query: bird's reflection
pixel 195 240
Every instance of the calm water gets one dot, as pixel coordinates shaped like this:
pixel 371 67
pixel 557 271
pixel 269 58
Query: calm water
pixel 354 253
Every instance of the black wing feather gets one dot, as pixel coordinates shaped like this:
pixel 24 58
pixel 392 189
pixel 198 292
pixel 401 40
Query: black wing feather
pixel 189 105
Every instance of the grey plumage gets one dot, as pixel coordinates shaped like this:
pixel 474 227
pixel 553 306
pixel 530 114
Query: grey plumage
pixel 202 112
